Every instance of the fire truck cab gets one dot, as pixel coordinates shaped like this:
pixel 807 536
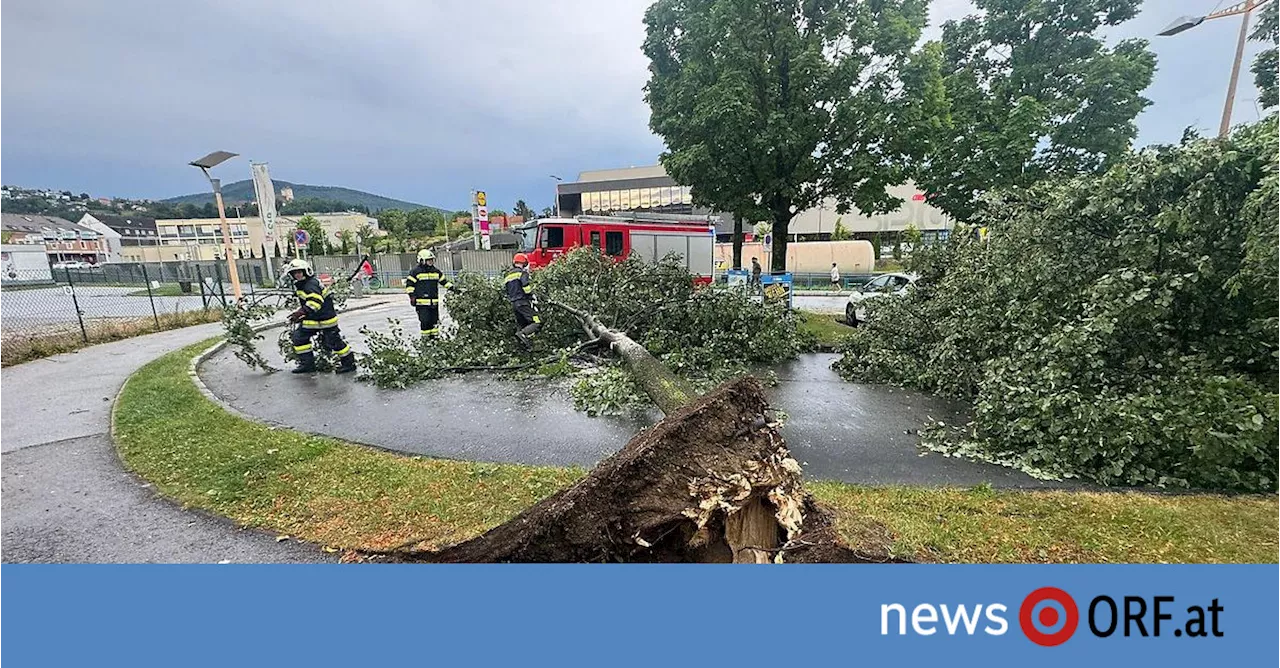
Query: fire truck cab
pixel 650 237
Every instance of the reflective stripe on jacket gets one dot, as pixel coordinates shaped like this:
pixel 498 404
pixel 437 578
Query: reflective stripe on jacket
pixel 318 304
pixel 424 282
pixel 517 285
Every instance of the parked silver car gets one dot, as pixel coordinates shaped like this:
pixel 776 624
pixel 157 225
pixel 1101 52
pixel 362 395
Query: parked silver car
pixel 855 311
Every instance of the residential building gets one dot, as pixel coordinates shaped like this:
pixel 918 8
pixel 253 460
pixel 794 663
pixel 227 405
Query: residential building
pixel 62 239
pixel 649 189
pixel 124 235
pixel 201 238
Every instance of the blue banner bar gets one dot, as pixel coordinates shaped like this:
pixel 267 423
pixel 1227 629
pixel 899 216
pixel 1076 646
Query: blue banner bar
pixel 639 615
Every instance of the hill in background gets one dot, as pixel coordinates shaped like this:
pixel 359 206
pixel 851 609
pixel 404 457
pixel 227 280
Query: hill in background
pixel 242 191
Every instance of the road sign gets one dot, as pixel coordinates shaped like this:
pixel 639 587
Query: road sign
pixel 768 241
pixel 481 199
pixel 301 237
pixel 68 290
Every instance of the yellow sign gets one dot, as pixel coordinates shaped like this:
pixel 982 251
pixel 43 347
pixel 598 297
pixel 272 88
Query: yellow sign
pixel 480 198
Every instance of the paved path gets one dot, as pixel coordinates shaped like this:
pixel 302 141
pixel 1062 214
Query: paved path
pixel 67 498
pixel 840 431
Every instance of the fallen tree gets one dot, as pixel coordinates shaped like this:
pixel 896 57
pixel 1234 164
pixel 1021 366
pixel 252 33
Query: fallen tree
pixel 712 482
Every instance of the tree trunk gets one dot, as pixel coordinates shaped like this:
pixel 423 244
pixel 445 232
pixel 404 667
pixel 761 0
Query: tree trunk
pixel 737 241
pixel 668 391
pixel 781 220
pixel 711 482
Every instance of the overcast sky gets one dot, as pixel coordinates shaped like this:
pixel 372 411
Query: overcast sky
pixel 416 99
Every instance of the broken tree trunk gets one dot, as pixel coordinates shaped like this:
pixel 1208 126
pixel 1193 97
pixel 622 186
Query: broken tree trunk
pixel 668 391
pixel 711 482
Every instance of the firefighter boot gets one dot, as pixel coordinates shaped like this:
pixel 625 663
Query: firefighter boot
pixel 304 367
pixel 347 364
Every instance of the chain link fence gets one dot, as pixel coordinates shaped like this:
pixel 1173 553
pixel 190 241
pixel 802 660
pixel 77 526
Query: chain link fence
pixel 46 311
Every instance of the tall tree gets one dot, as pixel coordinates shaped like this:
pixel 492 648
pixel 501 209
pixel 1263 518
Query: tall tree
pixel 785 103
pixel 395 222
pixel 522 209
pixel 1267 30
pixel 1034 94
pixel 345 237
pixel 365 235
pixel 316 246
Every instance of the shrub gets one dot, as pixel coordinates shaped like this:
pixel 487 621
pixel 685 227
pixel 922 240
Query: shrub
pixel 1120 328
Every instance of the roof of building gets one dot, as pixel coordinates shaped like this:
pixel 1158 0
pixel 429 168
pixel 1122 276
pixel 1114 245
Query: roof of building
pixel 121 223
pixel 30 222
pixel 646 172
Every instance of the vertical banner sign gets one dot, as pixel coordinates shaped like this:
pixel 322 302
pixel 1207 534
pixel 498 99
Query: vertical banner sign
pixel 265 192
pixel 482 218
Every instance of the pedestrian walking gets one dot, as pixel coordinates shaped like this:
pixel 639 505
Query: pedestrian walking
pixel 316 316
pixel 423 285
pixel 755 275
pixel 835 276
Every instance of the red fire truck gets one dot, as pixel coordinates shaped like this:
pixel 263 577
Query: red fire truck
pixel 650 237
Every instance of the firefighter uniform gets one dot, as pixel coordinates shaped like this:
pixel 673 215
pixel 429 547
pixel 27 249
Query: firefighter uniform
pixel 318 317
pixel 423 285
pixel 520 294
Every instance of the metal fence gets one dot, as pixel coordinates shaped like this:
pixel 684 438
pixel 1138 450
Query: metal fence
pixel 114 300
pixel 391 268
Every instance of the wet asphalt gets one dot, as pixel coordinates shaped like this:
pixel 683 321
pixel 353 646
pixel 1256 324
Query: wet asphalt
pixel 65 494
pixel 856 433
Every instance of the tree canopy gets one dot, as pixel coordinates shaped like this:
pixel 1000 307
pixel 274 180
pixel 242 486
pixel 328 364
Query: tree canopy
pixel 1266 30
pixel 783 104
pixel 1033 93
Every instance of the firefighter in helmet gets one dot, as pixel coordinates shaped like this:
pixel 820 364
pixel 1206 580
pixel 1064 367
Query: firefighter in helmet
pixel 423 285
pixel 315 316
pixel 520 294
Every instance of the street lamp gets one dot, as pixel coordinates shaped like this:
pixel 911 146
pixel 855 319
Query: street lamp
pixel 556 202
pixel 205 164
pixel 1239 9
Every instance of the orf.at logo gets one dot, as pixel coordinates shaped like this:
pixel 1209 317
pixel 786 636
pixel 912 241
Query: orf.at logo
pixel 1048 616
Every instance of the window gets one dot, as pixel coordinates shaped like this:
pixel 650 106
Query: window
pixel 615 200
pixel 635 198
pixel 686 195
pixel 552 237
pixel 646 198
pixel 187 230
pixel 613 243
pixel 624 201
pixel 595 239
pixel 876 284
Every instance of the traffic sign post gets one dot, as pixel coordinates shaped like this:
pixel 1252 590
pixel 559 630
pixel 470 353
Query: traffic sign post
pixel 301 238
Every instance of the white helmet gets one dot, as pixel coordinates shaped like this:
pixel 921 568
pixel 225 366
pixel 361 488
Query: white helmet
pixel 298 265
pixel 426 255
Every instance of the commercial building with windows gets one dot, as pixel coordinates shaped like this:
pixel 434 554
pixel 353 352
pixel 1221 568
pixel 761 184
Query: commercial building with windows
pixel 201 238
pixel 649 189
pixel 62 239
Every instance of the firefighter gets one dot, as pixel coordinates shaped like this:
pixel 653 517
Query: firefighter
pixel 315 316
pixel 423 285
pixel 520 294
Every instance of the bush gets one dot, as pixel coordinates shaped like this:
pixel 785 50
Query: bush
pixel 1120 328
pixel 705 335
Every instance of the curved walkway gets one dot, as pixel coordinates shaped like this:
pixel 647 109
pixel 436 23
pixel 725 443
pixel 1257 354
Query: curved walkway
pixel 862 434
pixel 67 498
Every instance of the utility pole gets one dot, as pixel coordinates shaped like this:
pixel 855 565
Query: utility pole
pixel 205 164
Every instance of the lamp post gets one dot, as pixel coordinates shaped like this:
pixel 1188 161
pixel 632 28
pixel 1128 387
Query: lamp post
pixel 556 202
pixel 205 164
pixel 1239 9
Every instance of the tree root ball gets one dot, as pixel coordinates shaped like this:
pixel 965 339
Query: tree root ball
pixel 712 482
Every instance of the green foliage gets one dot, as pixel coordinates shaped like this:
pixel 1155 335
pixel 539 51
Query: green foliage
pixel 773 107
pixel 313 227
pixel 704 334
pixel 238 322
pixel 1032 93
pixel 522 209
pixel 609 391
pixel 1266 30
pixel 841 233
pixel 1120 328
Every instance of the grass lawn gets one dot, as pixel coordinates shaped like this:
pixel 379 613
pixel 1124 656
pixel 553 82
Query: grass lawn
pixel 981 525
pixel 20 348
pixel 825 327
pixel 319 489
pixel 353 497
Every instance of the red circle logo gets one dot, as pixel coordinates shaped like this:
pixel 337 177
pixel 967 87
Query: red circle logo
pixel 1048 616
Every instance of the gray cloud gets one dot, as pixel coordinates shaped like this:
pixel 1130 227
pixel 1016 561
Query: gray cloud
pixel 419 100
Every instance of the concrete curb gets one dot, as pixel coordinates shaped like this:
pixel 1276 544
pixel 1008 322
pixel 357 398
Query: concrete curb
pixel 193 369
